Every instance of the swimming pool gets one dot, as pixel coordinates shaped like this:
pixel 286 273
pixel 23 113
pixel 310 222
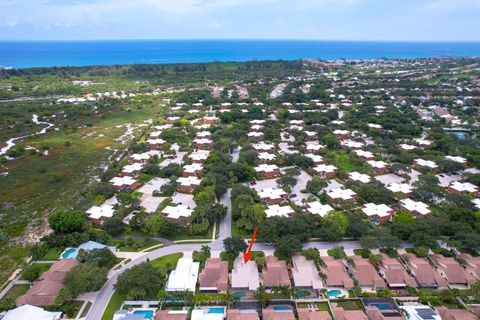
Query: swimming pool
pixel 281 308
pixel 67 253
pixel 147 314
pixel 382 306
pixel 239 294
pixel 334 293
pixel 216 310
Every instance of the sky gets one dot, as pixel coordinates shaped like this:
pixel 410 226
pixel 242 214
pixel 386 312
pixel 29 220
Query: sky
pixel 362 20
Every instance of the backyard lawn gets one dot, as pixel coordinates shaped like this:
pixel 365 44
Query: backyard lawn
pixel 161 263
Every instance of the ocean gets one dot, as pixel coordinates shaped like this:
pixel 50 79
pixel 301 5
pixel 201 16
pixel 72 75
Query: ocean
pixel 27 54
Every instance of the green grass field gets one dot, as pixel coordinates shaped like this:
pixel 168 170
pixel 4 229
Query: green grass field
pixel 113 305
pixel 161 263
pixel 17 291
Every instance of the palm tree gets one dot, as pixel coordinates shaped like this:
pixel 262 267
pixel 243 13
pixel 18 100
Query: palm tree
pixel 262 296
pixel 230 298
pixel 206 251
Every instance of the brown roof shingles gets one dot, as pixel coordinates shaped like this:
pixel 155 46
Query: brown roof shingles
pixel 424 273
pixel 166 315
pixel 455 314
pixel 307 314
pixel 365 274
pixel 215 275
pixel 341 314
pixel 337 275
pixel 395 274
pixel 275 273
pixel 270 314
pixel 236 314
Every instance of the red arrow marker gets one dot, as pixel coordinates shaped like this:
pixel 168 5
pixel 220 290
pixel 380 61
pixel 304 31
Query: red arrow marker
pixel 247 256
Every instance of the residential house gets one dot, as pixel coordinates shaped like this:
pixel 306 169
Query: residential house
pixel 336 196
pixel 452 270
pixel 267 171
pixel 98 214
pixel 210 120
pixel 340 314
pixel 400 189
pixel 325 171
pixel 422 164
pixel 187 184
pixel 155 144
pixel 415 208
pixel 275 273
pixel 318 208
pixel 273 196
pixel 245 275
pixel 214 278
pixel 194 169
pixel 310 314
pixel 184 277
pixel 364 155
pixel 472 265
pixel 358 177
pixel 350 144
pixel 460 160
pixel 394 274
pixel 416 311
pixel 378 213
pixel 28 312
pixel 243 314
pixel 125 183
pixel 131 170
pixel 317 160
pixel 278 211
pixel 199 156
pixel 455 314
pixel 366 275
pixel 305 273
pixel 266 157
pixel 465 188
pixel 177 212
pixel 342 134
pixel 379 167
pixel 171 315
pixel 45 291
pixel 336 275
pixel 274 314
pixel 202 143
pixel 425 275
pixel 264 147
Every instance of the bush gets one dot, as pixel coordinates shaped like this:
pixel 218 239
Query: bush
pixel 32 272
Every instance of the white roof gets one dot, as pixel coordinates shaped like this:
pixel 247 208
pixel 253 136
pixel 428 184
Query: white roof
pixel 318 208
pixel 416 206
pixel 199 155
pixel 352 144
pixel 339 193
pixel 266 168
pixel 192 168
pixel 155 134
pixel 325 168
pixel 256 127
pixel 184 277
pixel 456 159
pixel 407 147
pixel 266 156
pixel 426 163
pixel 203 134
pixel 310 133
pixel 464 187
pixel 277 211
pixel 140 156
pixel 423 142
pixel 189 181
pixel 255 134
pixel 476 202
pixel 314 146
pixel 314 157
pixel 418 312
pixel 202 141
pixel 365 154
pixel 103 211
pixel 245 275
pixel 400 188
pixel 263 146
pixel 257 121
pixel 120 181
pixel 129 168
pixel 28 312
pixel 297 122
pixel 155 141
pixel 357 176
pixel 305 273
pixel 381 210
pixel 177 212
pixel 341 132
pixel 374 126
pixel 377 164
pixel 271 193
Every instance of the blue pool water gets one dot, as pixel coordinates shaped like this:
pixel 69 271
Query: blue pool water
pixel 382 306
pixel 281 308
pixel 240 294
pixel 26 54
pixel 147 314
pixel 68 253
pixel 334 293
pixel 216 310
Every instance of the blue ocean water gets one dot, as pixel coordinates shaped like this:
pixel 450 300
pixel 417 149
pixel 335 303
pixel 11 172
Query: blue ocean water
pixel 26 54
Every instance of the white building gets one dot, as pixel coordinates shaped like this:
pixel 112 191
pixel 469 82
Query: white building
pixel 318 208
pixel 419 312
pixel 402 188
pixel 417 208
pixel 359 177
pixel 278 211
pixel 28 312
pixel 425 163
pixel 184 277
pixel 180 211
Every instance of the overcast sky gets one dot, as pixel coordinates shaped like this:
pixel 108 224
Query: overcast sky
pixel 395 20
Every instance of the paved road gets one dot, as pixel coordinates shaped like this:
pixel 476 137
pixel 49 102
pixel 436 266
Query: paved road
pixel 226 223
